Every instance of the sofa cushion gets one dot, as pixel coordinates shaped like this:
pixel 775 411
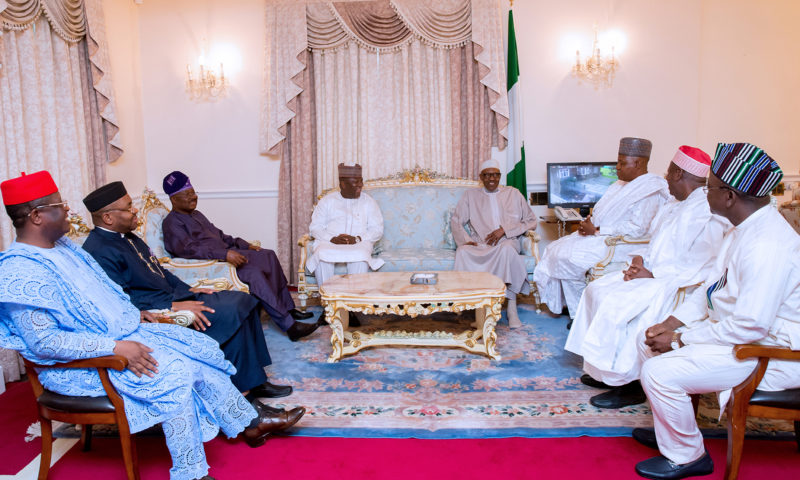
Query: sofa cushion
pixel 415 216
pixel 417 259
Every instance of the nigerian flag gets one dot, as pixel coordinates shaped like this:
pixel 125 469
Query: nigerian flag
pixel 515 160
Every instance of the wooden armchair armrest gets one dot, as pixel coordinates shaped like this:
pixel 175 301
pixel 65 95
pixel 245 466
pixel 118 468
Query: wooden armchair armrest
pixel 743 391
pixel 764 351
pixel 114 362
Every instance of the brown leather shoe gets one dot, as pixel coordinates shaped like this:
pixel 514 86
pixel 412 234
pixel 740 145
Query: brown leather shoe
pixel 271 422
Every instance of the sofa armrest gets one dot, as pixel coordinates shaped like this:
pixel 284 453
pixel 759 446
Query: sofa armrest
pixel 612 243
pixel 206 273
pixel 303 289
pixel 530 244
pixel 184 318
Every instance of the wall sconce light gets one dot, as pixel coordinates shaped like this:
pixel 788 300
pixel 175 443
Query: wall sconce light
pixel 597 69
pixel 207 84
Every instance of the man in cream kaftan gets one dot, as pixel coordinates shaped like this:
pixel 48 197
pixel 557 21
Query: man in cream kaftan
pixel 751 295
pixel 627 208
pixel 345 225
pixel 684 238
pixel 486 210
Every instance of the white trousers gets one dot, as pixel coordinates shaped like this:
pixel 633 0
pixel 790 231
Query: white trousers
pixel 669 379
pixel 324 270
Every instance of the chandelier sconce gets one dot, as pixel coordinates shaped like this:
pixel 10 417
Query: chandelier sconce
pixel 206 84
pixel 597 69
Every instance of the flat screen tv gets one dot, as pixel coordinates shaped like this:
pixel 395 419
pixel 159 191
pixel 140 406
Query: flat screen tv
pixel 578 185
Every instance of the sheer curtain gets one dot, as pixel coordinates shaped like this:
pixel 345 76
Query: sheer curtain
pixel 56 105
pixel 387 84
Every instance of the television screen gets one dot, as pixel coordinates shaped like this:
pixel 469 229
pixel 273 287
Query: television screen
pixel 578 185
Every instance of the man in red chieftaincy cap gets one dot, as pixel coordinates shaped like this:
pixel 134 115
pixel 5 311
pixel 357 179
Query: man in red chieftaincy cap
pixel 69 309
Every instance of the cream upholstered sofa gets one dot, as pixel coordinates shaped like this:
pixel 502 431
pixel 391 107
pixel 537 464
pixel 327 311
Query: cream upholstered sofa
pixel 416 206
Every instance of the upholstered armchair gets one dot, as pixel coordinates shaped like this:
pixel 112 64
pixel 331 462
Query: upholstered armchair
pixel 746 401
pixel 618 249
pixel 215 274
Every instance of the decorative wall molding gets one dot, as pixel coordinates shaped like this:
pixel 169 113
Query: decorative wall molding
pixel 222 195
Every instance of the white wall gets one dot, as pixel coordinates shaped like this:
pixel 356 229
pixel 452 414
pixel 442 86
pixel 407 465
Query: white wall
pixel 693 72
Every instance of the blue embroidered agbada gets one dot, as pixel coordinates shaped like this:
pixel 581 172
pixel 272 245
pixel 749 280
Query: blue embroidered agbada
pixel 58 305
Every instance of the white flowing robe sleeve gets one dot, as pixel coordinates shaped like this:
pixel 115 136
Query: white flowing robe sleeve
pixel 320 221
pixel 637 224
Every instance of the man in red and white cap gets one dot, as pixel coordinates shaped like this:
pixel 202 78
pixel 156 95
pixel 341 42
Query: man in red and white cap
pixel 57 305
pixel 616 308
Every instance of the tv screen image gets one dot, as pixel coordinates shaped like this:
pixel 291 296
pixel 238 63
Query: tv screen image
pixel 578 185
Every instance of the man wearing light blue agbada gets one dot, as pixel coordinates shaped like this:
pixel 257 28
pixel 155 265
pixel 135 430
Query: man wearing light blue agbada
pixel 57 305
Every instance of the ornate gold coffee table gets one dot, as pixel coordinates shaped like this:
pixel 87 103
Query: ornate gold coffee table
pixel 390 292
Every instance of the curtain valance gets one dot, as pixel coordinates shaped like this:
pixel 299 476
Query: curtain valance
pixel 378 25
pixel 74 20
pixel 382 24
pixel 67 17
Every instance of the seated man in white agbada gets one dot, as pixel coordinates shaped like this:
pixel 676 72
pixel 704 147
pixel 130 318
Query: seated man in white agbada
pixel 614 309
pixel 345 225
pixel 627 208
pixel 497 217
pixel 751 296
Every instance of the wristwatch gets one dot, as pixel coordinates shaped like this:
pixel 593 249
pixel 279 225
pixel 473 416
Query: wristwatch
pixel 675 344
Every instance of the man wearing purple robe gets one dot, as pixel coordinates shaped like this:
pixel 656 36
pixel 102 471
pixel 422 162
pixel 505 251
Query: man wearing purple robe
pixel 189 234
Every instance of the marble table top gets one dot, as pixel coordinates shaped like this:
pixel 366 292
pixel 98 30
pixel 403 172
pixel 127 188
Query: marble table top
pixel 388 285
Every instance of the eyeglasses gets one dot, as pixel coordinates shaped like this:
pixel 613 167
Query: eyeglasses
pixel 63 204
pixel 129 210
pixel 707 188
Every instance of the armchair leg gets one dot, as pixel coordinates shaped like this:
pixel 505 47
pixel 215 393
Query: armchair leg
pixel 128 443
pixel 86 437
pixel 47 447
pixel 737 418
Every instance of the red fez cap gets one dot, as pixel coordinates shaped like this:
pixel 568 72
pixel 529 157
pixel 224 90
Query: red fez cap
pixel 28 187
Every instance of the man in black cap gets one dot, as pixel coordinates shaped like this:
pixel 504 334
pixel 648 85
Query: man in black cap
pixel 189 234
pixel 229 317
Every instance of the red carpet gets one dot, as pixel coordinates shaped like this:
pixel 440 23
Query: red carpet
pixel 353 458
pixel 17 412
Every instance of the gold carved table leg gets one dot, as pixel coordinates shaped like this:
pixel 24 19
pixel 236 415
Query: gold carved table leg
pixel 343 342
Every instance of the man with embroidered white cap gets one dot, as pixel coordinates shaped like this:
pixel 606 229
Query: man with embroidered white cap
pixel 627 208
pixel 345 225
pixel 497 217
pixel 751 296
pixel 614 309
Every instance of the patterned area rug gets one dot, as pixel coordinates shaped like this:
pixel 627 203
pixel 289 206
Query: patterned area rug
pixel 534 391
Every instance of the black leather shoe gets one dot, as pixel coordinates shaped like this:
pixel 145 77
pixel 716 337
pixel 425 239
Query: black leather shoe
pixel 270 423
pixel 661 467
pixel 298 315
pixel 299 330
pixel 270 390
pixel 588 380
pixel 618 397
pixel 645 436
pixel 569 324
